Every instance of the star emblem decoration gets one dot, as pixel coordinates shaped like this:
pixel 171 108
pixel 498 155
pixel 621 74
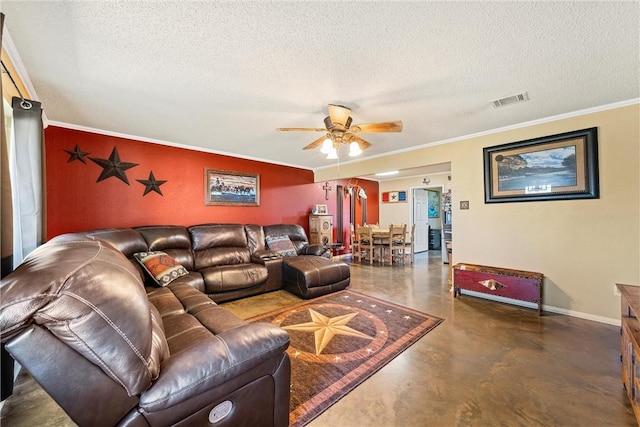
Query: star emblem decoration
pixel 76 154
pixel 113 166
pixel 326 328
pixel 151 184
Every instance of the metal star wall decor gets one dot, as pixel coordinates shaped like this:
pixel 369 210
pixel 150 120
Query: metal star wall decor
pixel 113 167
pixel 151 184
pixel 76 154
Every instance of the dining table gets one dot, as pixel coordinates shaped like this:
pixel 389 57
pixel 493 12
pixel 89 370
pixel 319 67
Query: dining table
pixel 379 233
pixel 381 236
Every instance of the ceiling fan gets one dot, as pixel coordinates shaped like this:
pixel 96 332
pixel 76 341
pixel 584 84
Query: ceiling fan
pixel 339 130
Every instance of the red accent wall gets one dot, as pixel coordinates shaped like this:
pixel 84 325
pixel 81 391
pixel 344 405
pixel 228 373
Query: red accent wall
pixel 76 201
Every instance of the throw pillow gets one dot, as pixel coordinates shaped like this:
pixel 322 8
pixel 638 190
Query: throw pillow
pixel 162 268
pixel 281 245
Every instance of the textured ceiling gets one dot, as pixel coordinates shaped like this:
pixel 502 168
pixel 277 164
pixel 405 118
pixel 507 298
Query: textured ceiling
pixel 222 76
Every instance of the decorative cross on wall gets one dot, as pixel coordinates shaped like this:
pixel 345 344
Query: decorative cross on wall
pixel 326 187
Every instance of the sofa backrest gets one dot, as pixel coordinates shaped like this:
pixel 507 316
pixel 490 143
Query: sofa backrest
pixel 195 247
pixel 126 240
pixel 174 240
pixel 91 298
pixel 255 237
pixel 219 244
pixel 295 232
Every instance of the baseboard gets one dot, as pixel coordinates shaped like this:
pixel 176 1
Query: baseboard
pixel 545 307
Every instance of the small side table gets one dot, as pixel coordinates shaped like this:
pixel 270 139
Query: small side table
pixel 334 247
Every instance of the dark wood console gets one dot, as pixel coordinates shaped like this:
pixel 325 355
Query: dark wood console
pixel 630 344
pixel 503 282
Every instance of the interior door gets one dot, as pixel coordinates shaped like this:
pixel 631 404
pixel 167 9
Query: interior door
pixel 421 219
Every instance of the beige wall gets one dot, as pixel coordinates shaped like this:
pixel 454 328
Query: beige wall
pixel 583 247
pixel 395 213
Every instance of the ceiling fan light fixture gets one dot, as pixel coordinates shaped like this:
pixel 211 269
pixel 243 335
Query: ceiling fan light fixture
pixel 338 131
pixel 327 145
pixel 354 149
pixel 339 114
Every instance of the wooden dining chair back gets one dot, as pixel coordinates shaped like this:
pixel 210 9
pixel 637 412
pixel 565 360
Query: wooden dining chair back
pixel 393 246
pixel 409 251
pixel 365 244
pixel 355 242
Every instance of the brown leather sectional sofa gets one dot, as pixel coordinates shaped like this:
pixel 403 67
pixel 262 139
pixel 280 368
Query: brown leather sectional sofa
pixel 231 261
pixel 113 348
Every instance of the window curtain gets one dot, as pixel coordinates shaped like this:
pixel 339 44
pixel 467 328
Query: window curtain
pixel 6 209
pixel 25 163
pixel 7 366
pixel 21 190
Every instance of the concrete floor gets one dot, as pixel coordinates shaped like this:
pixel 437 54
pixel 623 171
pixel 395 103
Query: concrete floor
pixel 487 364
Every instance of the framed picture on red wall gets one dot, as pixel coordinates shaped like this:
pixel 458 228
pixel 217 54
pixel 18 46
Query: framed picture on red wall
pixel 230 188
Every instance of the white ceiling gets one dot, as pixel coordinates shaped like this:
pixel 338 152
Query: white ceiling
pixel 222 76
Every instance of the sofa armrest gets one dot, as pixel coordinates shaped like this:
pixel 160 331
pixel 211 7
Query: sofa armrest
pixel 212 362
pixel 264 254
pixel 315 249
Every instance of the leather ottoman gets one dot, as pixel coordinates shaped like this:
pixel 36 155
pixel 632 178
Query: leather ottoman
pixel 311 276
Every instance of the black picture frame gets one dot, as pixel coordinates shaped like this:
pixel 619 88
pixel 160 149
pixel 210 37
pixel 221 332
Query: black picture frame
pixel 555 167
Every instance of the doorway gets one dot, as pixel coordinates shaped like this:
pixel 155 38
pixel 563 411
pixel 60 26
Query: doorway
pixel 427 215
pixel 420 219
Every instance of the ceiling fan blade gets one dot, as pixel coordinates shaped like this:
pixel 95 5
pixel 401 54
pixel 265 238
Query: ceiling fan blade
pixel 361 142
pixel 302 129
pixel 339 114
pixel 395 126
pixel 315 144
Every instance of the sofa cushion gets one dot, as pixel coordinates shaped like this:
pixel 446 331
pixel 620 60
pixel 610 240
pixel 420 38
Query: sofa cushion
pixel 217 235
pixel 295 232
pixel 281 245
pixel 219 244
pixel 255 237
pixel 162 268
pixel 172 239
pixel 226 278
pixel 126 240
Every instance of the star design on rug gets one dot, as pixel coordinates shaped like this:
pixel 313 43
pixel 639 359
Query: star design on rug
pixel 76 154
pixel 151 184
pixel 113 166
pixel 326 328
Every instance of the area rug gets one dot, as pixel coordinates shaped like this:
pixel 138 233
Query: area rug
pixel 338 341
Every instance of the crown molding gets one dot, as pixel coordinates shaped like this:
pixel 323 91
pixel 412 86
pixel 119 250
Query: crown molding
pixel 564 116
pixel 12 53
pixel 167 143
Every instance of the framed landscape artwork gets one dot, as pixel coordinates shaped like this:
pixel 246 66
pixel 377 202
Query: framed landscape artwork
pixel 229 188
pixel 556 167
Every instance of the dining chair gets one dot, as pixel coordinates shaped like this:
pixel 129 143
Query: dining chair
pixel 409 244
pixel 393 245
pixel 355 242
pixel 366 246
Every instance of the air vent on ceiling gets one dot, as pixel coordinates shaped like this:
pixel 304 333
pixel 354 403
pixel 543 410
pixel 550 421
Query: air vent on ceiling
pixel 513 99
